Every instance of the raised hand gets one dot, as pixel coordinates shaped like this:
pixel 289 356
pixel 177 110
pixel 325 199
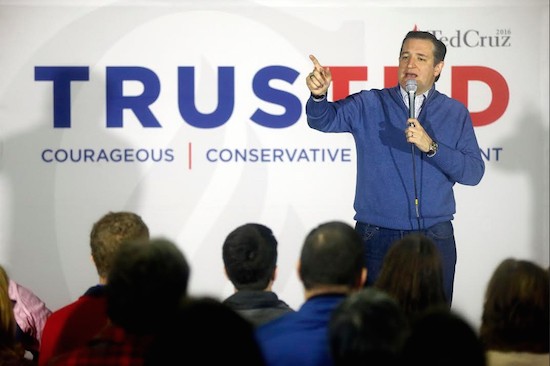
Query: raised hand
pixel 318 81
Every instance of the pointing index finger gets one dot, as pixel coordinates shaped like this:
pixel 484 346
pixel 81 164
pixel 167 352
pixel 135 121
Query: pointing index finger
pixel 316 63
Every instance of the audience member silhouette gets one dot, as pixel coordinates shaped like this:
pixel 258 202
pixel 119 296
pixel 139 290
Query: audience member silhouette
pixel 12 352
pixel 515 319
pixel 331 266
pixel 144 287
pixel 367 328
pixel 207 331
pixel 250 259
pixel 30 314
pixel 76 323
pixel 441 337
pixel 412 273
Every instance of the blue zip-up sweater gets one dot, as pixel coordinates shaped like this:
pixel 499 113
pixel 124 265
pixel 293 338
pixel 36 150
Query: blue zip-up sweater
pixel 384 193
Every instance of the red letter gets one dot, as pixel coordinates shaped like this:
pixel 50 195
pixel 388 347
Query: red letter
pixel 461 75
pixel 390 76
pixel 341 77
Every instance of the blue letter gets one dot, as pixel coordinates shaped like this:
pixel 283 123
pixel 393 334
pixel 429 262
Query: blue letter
pixel 61 77
pixel 289 101
pixel 116 102
pixel 186 98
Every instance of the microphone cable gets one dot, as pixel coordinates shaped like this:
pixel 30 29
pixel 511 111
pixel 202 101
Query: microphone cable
pixel 415 189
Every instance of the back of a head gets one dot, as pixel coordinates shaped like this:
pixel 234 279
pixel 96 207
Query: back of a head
pixel 516 308
pixel 145 284
pixel 412 273
pixel 442 337
pixel 250 256
pixel 367 328
pixel 109 232
pixel 207 330
pixel 332 254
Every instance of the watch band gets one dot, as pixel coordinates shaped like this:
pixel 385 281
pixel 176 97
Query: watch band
pixel 318 98
pixel 433 149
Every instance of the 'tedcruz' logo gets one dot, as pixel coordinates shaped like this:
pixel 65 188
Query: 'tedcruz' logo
pixel 472 38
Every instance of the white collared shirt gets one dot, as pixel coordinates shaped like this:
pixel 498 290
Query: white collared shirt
pixel 418 101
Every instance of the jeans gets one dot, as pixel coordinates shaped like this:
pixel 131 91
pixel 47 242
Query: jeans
pixel 377 240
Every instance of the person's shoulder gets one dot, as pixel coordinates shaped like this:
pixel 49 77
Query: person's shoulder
pixel 20 293
pixel 377 92
pixel 440 97
pixel 284 306
pixel 275 326
pixel 262 315
pixel 63 311
pixel 369 97
pixel 27 305
pixel 13 288
pixel 86 301
pixel 234 298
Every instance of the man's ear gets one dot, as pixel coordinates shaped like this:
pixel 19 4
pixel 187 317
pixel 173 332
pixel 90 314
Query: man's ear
pixel 275 273
pixel 298 269
pixel 438 68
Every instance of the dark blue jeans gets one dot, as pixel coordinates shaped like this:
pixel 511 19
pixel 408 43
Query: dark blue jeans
pixel 377 241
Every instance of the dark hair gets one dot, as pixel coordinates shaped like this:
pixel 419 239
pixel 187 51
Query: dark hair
pixel 332 254
pixel 250 256
pixel 367 328
pixel 145 284
pixel 516 308
pixel 205 329
pixel 439 48
pixel 412 273
pixel 443 337
pixel 109 232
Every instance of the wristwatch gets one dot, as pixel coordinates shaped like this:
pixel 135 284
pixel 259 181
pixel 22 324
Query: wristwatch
pixel 318 98
pixel 433 149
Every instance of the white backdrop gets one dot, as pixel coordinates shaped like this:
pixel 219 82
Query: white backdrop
pixel 198 191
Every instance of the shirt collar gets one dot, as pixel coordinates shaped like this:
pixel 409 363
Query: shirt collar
pixel 405 96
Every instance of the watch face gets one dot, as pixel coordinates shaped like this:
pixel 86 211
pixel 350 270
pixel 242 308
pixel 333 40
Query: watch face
pixel 433 149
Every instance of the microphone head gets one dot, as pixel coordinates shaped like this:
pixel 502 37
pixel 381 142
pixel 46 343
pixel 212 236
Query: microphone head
pixel 411 86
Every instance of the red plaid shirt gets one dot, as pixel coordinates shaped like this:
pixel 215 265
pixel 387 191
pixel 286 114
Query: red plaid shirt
pixel 112 346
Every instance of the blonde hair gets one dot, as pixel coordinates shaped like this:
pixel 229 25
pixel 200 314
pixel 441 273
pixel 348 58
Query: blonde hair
pixel 8 343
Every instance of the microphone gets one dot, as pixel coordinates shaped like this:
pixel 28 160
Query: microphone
pixel 411 87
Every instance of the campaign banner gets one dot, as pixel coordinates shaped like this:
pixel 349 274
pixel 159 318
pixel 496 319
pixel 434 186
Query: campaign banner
pixel 192 114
